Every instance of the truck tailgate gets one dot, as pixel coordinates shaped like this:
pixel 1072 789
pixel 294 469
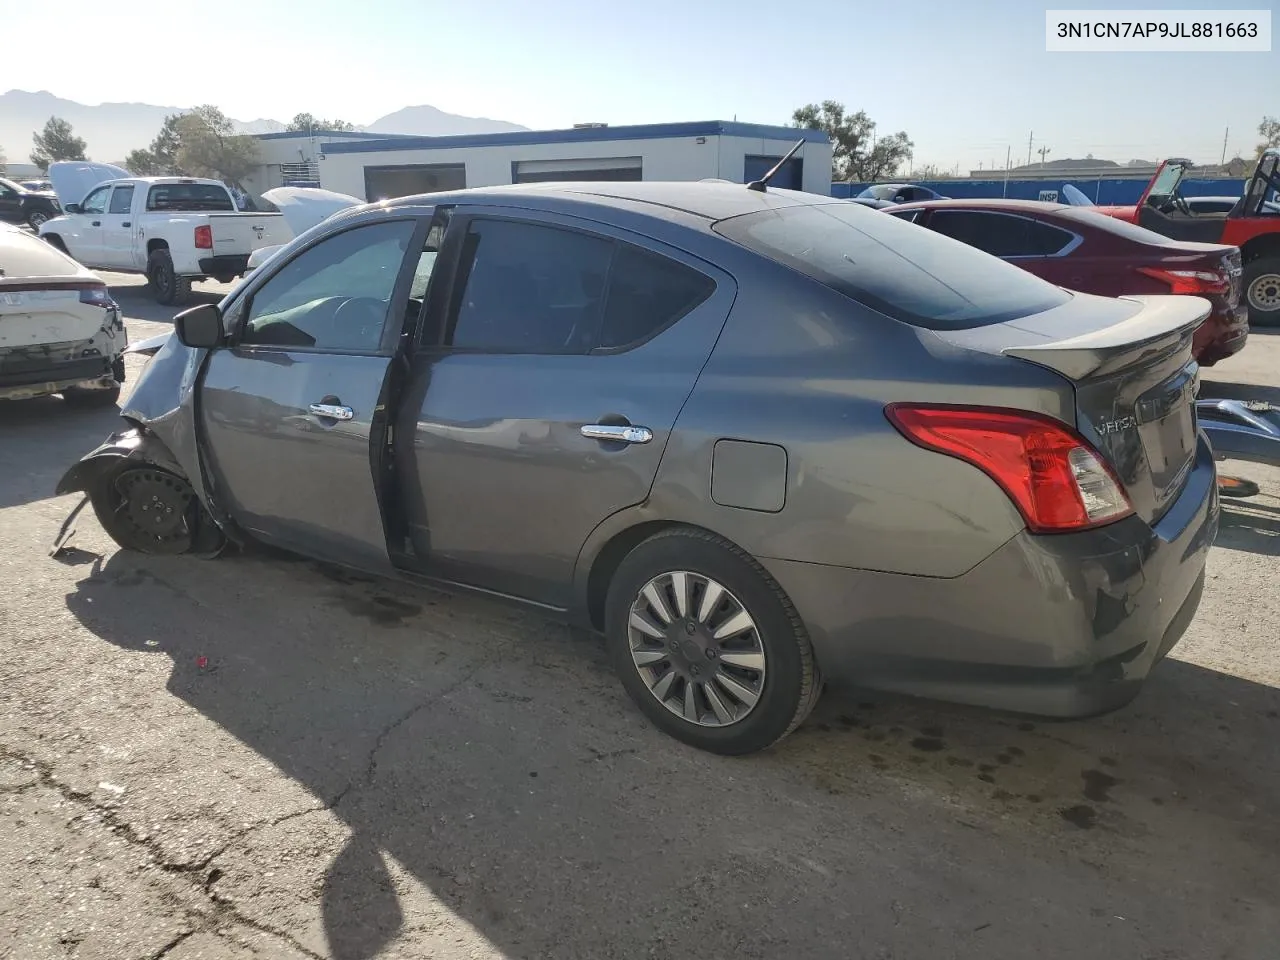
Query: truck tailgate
pixel 243 233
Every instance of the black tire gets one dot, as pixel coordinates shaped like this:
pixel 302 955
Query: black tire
pixel 55 241
pixel 164 491
pixel 792 682
pixel 88 397
pixel 1262 291
pixel 36 219
pixel 169 289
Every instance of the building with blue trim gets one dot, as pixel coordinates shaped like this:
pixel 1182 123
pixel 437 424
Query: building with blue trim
pixel 377 166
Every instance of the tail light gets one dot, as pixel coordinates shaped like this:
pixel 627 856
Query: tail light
pixel 97 295
pixel 1058 482
pixel 1190 281
pixel 204 237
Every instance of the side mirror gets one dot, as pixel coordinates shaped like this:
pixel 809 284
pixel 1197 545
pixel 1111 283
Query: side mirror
pixel 200 326
pixel 72 208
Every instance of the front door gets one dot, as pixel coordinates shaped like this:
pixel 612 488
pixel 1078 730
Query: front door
pixel 85 229
pixel 542 403
pixel 118 230
pixel 292 410
pixel 10 203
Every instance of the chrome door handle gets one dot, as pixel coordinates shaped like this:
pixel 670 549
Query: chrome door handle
pixel 332 411
pixel 617 433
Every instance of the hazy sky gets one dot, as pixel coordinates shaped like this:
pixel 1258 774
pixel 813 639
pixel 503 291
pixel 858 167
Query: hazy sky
pixel 965 80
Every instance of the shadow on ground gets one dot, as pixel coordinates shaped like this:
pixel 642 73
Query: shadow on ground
pixel 494 759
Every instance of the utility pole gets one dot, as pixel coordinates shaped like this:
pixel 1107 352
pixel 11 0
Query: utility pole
pixel 1030 137
pixel 1225 134
pixel 1042 151
pixel 1008 157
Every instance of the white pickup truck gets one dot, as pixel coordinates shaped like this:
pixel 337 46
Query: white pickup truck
pixel 176 230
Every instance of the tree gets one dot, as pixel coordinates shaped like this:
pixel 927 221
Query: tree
pixel 160 159
pixel 306 122
pixel 1269 130
pixel 2 160
pixel 927 171
pixel 56 142
pixel 856 153
pixel 208 146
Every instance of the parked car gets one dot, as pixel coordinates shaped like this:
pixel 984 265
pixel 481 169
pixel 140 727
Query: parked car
pixel 38 186
pixel 1078 248
pixel 872 203
pixel 20 205
pixel 898 193
pixel 60 330
pixel 758 438
pixel 176 230
pixel 1253 225
pixel 302 208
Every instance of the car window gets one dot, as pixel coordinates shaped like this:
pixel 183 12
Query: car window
pixel 335 295
pixel 528 288
pixel 911 216
pixel 96 202
pixel 647 292
pixel 999 234
pixel 121 200
pixel 913 275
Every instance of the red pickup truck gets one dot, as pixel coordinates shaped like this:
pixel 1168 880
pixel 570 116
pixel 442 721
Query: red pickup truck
pixel 1253 225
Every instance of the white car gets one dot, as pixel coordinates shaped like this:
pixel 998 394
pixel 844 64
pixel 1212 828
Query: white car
pixel 60 329
pixel 302 208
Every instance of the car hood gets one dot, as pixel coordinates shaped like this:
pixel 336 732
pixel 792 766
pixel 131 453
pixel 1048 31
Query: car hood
pixel 73 179
pixel 305 207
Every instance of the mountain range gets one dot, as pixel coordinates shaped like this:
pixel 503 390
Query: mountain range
pixel 111 130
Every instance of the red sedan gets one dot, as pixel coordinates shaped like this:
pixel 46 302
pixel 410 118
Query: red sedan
pixel 1081 249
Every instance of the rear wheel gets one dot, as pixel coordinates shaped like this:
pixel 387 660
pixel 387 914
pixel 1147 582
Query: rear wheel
pixel 708 645
pixel 36 219
pixel 168 287
pixel 1262 291
pixel 150 510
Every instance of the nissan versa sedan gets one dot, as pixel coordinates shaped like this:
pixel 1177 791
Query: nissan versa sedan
pixel 758 439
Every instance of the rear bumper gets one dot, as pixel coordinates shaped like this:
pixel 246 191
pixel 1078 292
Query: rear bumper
pixel 1063 626
pixel 230 265
pixel 48 368
pixel 1222 335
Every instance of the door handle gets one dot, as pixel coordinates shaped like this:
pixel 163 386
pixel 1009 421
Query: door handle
pixel 332 411
pixel 617 433
pixel 96 223
pixel 126 224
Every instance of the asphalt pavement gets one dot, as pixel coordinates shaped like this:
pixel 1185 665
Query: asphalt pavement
pixel 260 757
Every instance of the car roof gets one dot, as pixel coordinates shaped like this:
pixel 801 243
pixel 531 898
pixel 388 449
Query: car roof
pixel 983 203
pixel 709 201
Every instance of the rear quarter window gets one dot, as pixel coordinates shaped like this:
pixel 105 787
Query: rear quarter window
pixel 913 275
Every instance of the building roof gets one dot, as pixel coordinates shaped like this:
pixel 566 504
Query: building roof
pixel 645 131
pixel 336 134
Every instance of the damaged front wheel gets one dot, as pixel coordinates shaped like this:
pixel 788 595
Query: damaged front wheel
pixel 150 510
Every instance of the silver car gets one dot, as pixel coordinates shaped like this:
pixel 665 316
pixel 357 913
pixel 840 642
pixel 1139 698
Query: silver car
pixel 758 439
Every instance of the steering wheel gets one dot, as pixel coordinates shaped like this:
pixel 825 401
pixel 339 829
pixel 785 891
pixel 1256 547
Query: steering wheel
pixel 1184 208
pixel 358 322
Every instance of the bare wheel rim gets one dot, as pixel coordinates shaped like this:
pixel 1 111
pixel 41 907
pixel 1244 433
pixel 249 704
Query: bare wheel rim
pixel 1264 292
pixel 37 219
pixel 697 648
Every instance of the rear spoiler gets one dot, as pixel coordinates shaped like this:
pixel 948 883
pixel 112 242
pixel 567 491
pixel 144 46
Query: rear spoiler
pixel 1161 324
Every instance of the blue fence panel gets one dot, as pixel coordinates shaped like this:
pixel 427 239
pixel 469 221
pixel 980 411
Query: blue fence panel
pixel 1104 192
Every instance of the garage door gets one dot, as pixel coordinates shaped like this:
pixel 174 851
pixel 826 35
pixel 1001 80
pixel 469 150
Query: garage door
pixel 790 177
pixel 585 168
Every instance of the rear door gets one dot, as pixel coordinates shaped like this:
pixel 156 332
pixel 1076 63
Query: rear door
pixel 542 403
pixel 292 413
pixel 118 228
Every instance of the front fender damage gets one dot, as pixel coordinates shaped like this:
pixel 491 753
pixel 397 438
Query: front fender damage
pixel 129 445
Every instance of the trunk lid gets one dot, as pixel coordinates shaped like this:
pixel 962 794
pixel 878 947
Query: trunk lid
pixel 1129 363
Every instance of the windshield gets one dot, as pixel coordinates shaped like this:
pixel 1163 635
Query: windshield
pixel 1166 180
pixel 189 197
pixel 895 267
pixel 881 191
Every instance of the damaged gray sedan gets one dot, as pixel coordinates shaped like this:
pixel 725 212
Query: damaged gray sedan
pixel 759 439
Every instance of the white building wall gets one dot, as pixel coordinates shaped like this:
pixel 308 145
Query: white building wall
pixel 676 158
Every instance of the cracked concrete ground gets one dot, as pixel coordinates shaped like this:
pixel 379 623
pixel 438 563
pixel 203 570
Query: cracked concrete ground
pixel 259 757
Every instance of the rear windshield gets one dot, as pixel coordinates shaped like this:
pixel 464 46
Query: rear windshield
pixel 1114 225
pixel 897 268
pixel 189 197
